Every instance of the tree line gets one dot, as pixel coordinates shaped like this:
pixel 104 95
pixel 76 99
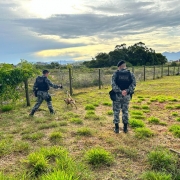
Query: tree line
pixel 136 55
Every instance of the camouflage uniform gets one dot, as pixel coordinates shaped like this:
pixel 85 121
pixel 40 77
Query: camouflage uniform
pixel 122 102
pixel 44 95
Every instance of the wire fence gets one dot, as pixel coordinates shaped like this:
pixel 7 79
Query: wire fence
pixel 80 77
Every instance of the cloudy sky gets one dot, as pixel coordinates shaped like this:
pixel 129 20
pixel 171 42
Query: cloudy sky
pixel 50 30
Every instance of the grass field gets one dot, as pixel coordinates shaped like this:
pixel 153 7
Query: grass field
pixel 81 144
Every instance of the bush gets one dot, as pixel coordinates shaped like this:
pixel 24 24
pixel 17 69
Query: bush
pixel 152 175
pixel 98 156
pixel 142 132
pixel 153 120
pixel 175 129
pixel 162 160
pixel 134 123
pixel 89 107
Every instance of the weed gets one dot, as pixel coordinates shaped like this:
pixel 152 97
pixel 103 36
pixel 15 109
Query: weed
pixel 145 111
pixel 92 117
pixel 89 107
pixel 63 123
pixel 71 114
pixel 48 126
pixel 162 160
pixel 107 104
pixel 136 112
pixel 6 108
pixel 153 120
pixel 175 129
pixel 153 175
pixel 90 112
pixel 34 136
pixel 145 107
pixel 84 132
pixel 128 151
pixel 76 121
pixel 96 104
pixel 172 99
pixel 177 106
pixel 143 132
pixel 136 107
pixel 21 147
pixel 169 107
pixel 110 113
pixel 153 99
pixel 5 147
pixel 174 114
pixel 178 119
pixel 138 116
pixel 55 136
pixel 134 123
pixel 98 156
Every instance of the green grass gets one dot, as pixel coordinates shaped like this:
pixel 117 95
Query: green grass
pixel 76 121
pixel 175 129
pixel 63 123
pixel 162 160
pixel 92 117
pixel 33 136
pixel 177 106
pixel 48 126
pixel 169 107
pixel 174 114
pixel 98 156
pixel 138 116
pixel 110 113
pixel 136 112
pixel 136 107
pixel 153 120
pixel 6 108
pixel 84 131
pixel 145 107
pixel 107 103
pixel 135 123
pixel 55 136
pixel 128 152
pixel 90 112
pixel 178 119
pixel 153 175
pixel 89 107
pixel 143 132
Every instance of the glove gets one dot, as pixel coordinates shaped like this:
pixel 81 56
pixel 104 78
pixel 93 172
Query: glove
pixel 61 87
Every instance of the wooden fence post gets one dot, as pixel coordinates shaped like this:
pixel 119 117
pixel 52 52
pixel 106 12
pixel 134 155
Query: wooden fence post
pixel 162 70
pixel 174 71
pixel 144 73
pixel 70 82
pixel 27 92
pixel 154 72
pixel 99 78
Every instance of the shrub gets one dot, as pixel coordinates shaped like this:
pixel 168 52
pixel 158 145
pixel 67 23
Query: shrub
pixel 162 160
pixel 152 175
pixel 98 156
pixel 6 108
pixel 89 107
pixel 76 121
pixel 175 129
pixel 143 132
pixel 84 132
pixel 55 136
pixel 134 123
pixel 153 120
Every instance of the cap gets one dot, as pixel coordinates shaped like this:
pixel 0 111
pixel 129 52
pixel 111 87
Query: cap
pixel 120 63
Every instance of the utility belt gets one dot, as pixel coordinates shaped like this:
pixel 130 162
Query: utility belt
pixel 113 95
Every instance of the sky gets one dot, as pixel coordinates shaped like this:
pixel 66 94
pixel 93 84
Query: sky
pixel 62 30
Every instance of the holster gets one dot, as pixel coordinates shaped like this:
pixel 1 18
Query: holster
pixel 112 95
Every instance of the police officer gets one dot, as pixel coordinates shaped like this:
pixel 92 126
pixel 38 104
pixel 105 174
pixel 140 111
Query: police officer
pixel 123 84
pixel 40 89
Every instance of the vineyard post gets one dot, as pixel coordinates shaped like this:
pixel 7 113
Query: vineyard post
pixel 27 92
pixel 144 73
pixel 70 82
pixel 99 78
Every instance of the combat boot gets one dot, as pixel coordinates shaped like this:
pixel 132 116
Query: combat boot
pixel 52 111
pixel 125 128
pixel 32 113
pixel 116 129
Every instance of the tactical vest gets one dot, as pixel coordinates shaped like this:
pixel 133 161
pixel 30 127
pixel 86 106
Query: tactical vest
pixel 123 79
pixel 41 84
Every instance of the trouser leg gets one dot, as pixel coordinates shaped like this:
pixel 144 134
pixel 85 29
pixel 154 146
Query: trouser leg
pixel 37 105
pixel 116 110
pixel 125 113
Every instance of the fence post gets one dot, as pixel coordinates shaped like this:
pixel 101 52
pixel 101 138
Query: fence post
pixel 154 72
pixel 178 69
pixel 27 92
pixel 70 82
pixel 99 78
pixel 162 70
pixel 168 70
pixel 173 70
pixel 144 73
